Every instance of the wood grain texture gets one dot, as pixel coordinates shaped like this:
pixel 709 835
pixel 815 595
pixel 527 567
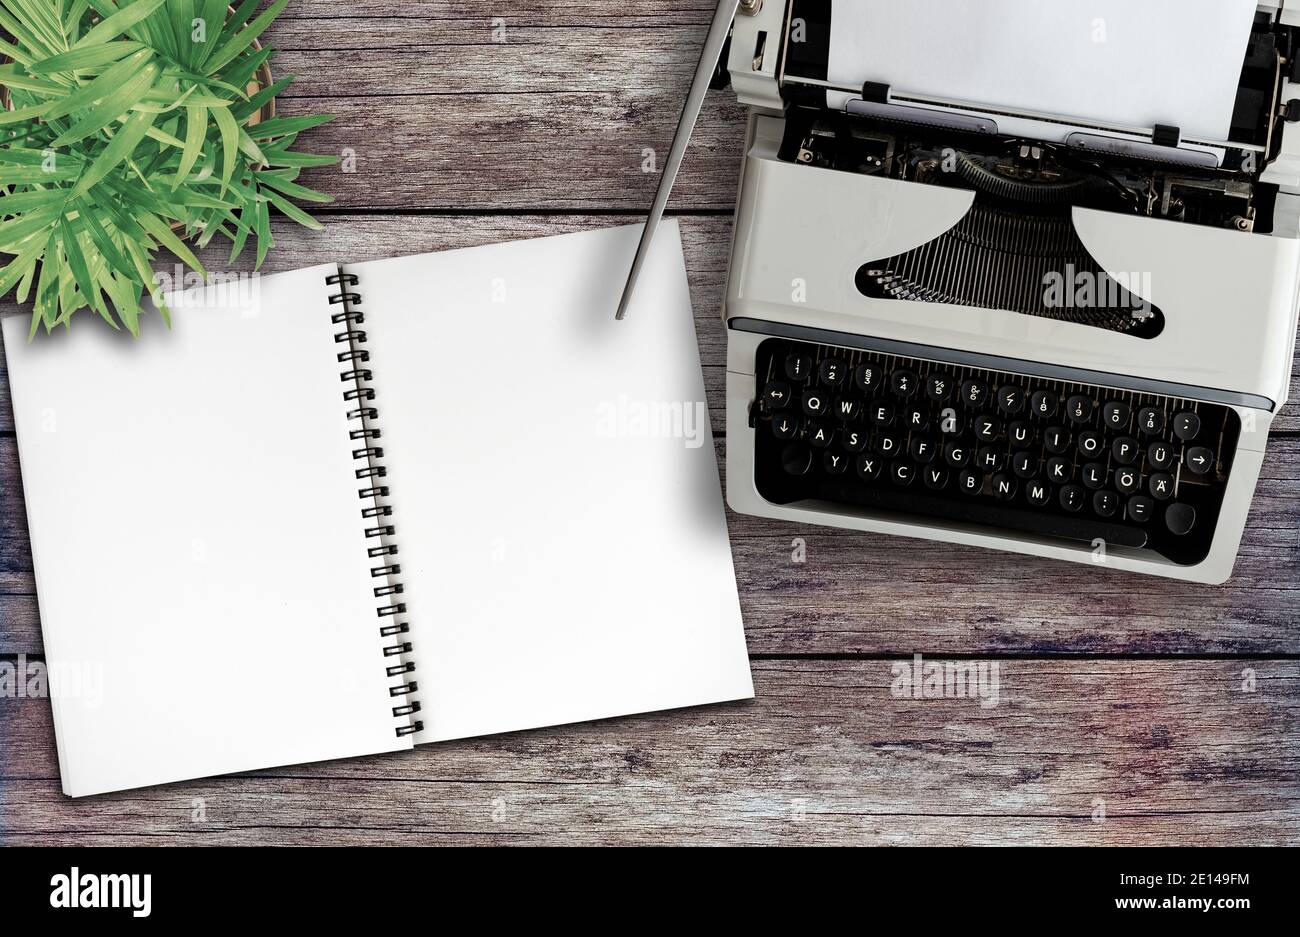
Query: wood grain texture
pixel 459 140
pixel 1167 752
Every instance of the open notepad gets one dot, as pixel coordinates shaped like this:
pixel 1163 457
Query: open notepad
pixel 355 508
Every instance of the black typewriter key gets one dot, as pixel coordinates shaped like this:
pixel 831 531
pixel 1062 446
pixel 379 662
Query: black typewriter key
pixel 835 463
pixel 1079 409
pixel 1125 450
pixel 1025 464
pixel 916 420
pixel 970 483
pixel 1199 460
pixel 1105 504
pixel 1011 400
pixel 922 451
pixel 869 468
pixel 1161 486
pixel 1020 433
pixel 974 394
pixel 1038 493
pixel 796 459
pixel 786 427
pixel 988 428
pixel 936 478
pixel 820 436
pixel 1140 508
pixel 831 372
pixel 1044 404
pixel 1005 486
pixel 1160 455
pixel 902 474
pixel 957 454
pixel 854 441
pixel 881 414
pixel 867 377
pixel 1057 440
pixel 888 446
pixel 1073 498
pixel 798 368
pixel 1059 471
pixel 845 409
pixel 989 459
pixel 1180 519
pixel 777 395
pixel 1095 475
pixel 1128 481
pixel 1116 415
pixel 938 387
pixel 815 403
pixel 904 383
pixel 1187 426
pixel 1091 444
pixel 1151 422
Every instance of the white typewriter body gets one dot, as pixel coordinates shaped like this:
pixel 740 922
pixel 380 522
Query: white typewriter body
pixel 802 232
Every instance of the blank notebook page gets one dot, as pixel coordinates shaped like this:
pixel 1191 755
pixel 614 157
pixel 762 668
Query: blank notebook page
pixel 204 591
pixel 554 482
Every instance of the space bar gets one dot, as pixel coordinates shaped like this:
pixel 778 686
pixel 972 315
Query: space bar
pixel 1043 525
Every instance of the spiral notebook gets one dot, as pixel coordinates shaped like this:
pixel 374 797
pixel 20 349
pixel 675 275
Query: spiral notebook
pixel 352 509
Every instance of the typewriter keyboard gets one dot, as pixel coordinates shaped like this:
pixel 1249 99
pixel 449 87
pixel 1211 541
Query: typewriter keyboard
pixel 1001 450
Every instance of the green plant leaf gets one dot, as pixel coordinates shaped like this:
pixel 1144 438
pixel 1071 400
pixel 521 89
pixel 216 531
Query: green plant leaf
pixel 84 57
pixel 229 142
pixel 80 272
pixel 15 232
pixel 21 266
pixel 24 114
pixel 86 215
pixel 301 160
pixel 108 81
pixel 279 126
pixel 181 14
pixel 34 175
pixel 119 148
pixel 244 38
pixel 262 224
pixel 118 23
pixel 292 189
pixel 125 299
pixel 292 210
pixel 214 14
pixel 110 108
pixel 196 128
pixel 20 202
pixel 19 80
pixel 165 236
pixel 250 148
pixel 259 100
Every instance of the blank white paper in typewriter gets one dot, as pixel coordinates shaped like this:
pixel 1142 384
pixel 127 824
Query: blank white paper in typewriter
pixel 1133 63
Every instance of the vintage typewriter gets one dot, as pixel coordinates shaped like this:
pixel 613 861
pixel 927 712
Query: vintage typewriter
pixel 961 321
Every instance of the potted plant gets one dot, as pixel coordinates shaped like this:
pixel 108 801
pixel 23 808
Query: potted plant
pixel 134 125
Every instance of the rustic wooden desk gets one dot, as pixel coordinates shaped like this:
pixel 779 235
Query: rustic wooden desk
pixel 1131 710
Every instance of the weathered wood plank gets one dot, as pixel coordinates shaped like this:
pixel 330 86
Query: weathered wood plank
pixel 1173 752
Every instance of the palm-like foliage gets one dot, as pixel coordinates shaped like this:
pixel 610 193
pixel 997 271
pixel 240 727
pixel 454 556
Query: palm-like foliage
pixel 130 119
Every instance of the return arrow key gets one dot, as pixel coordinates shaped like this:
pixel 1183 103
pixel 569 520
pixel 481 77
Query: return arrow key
pixel 1199 460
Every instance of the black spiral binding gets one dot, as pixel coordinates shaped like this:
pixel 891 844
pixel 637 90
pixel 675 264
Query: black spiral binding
pixel 364 414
